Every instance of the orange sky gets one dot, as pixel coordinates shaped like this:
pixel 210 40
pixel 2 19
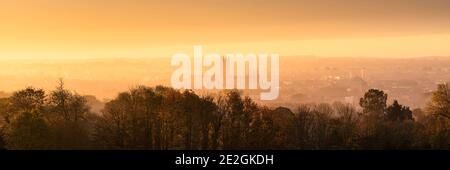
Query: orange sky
pixel 159 28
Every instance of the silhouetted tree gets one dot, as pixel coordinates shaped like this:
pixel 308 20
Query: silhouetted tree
pixel 374 101
pixel 2 140
pixel 124 120
pixel 68 118
pixel 304 118
pixel 346 129
pixel 397 112
pixel 218 122
pixel 29 100
pixel 28 131
pixel 207 116
pixel 282 122
pixel 262 130
pixel 5 113
pixel 237 121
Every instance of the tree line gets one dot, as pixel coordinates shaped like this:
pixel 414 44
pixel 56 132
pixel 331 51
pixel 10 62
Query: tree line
pixel 162 118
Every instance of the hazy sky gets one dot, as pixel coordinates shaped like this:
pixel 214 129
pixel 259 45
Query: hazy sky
pixel 136 28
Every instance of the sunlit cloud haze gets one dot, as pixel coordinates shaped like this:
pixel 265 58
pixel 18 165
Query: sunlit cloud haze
pixel 157 28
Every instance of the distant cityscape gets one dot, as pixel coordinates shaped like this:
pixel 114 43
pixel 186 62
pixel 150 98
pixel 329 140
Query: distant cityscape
pixel 409 80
